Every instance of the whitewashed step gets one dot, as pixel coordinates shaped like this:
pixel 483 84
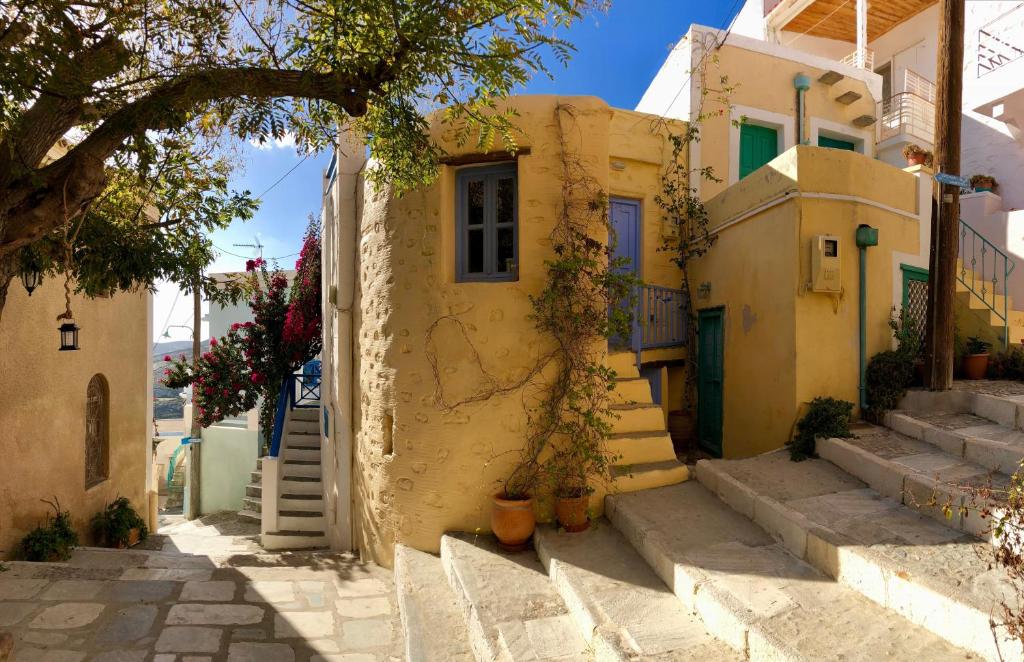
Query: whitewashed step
pixel 293 540
pixel 314 502
pixel 301 485
pixel 252 504
pixel 305 414
pixel 934 577
pixel 301 454
pixel 249 515
pixel 513 612
pixel 432 619
pixel 915 473
pixel 254 490
pixel 300 427
pixel 752 593
pixel 297 468
pixel 620 606
pixel 302 440
pixel 301 520
pixel 975 439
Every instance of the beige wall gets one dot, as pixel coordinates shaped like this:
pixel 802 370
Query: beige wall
pixel 421 469
pixel 42 406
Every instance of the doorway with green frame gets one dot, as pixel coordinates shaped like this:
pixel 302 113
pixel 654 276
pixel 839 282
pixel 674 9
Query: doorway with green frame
pixel 710 373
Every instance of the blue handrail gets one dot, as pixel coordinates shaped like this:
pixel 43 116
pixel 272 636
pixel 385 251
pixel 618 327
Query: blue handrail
pixel 982 264
pixel 282 408
pixel 298 391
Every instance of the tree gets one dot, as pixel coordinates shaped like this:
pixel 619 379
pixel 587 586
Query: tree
pixel 121 80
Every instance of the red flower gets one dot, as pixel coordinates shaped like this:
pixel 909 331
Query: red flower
pixel 167 358
pixel 258 378
pixel 213 342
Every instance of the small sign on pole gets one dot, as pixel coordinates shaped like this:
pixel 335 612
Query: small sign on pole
pixel 952 180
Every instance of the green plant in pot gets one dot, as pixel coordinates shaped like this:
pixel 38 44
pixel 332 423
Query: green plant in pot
pixel 118 525
pixel 52 542
pixel 916 155
pixel 982 183
pixel 975 361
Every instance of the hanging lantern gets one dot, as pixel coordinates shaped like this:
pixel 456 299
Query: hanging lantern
pixel 68 336
pixel 31 279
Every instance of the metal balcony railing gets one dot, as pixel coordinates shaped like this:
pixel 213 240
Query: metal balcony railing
pixel 984 271
pixel 659 318
pixel 915 83
pixel 869 60
pixel 1001 41
pixel 906 114
pixel 298 391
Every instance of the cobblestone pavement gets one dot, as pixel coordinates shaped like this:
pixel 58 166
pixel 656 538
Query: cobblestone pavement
pixel 990 386
pixel 196 592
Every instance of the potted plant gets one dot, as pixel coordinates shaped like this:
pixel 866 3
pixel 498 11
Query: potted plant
pixel 975 361
pixel 568 469
pixel 52 542
pixel 982 183
pixel 916 155
pixel 118 525
pixel 512 517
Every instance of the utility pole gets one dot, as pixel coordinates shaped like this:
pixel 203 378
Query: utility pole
pixel 195 448
pixel 946 229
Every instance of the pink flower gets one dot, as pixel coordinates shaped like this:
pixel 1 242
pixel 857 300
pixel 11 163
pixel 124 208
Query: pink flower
pixel 258 378
pixel 236 326
pixel 213 342
pixel 167 357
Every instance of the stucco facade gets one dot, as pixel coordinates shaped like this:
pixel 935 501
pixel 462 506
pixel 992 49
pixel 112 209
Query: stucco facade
pixel 43 406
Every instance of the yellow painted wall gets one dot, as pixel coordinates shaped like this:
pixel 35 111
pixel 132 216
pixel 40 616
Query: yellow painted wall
pixel 42 406
pixel 784 344
pixel 765 82
pixel 419 469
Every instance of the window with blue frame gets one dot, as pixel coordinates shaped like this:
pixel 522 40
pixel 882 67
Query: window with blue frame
pixel 486 209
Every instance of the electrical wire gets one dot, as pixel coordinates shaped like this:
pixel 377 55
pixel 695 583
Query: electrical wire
pixel 282 177
pixel 167 321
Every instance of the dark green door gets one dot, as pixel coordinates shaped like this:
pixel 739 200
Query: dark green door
pixel 710 360
pixel 758 145
pixel 834 143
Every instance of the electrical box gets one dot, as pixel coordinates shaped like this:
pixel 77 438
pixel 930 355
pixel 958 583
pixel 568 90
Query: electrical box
pixel 826 263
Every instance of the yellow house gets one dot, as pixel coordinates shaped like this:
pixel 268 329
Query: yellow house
pixel 75 424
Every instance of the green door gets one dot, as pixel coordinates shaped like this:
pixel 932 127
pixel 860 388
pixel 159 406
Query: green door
pixel 710 360
pixel 825 141
pixel 758 145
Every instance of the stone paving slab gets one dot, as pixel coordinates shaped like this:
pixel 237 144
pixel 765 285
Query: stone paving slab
pixel 428 607
pixel 758 597
pixel 934 576
pixel 168 606
pixel 620 606
pixel 513 611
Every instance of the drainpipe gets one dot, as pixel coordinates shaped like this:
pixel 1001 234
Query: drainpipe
pixel 802 83
pixel 866 236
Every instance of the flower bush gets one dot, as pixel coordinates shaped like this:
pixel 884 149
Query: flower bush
pixel 247 366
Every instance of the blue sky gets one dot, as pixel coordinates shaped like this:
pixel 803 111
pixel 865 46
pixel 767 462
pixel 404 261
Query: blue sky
pixel 618 54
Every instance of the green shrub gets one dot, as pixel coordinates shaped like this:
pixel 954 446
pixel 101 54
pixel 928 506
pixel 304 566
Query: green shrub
pixel 52 542
pixel 826 417
pixel 886 380
pixel 976 346
pixel 1008 364
pixel 113 525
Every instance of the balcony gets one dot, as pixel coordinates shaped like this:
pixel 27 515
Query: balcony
pixel 996 91
pixel 909 116
pixel 837 19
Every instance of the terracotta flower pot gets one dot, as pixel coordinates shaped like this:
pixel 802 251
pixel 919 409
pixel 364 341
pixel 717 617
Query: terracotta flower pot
pixel 916 159
pixel 975 366
pixel 513 522
pixel 133 539
pixel 572 513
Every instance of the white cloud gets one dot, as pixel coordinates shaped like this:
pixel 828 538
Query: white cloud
pixel 288 141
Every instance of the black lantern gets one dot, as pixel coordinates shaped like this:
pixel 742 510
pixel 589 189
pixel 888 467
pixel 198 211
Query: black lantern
pixel 68 336
pixel 31 278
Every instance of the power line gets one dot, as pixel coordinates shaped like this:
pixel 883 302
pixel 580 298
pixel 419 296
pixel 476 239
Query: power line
pixel 168 320
pixel 281 178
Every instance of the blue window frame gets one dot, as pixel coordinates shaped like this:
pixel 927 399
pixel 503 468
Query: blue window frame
pixel 487 220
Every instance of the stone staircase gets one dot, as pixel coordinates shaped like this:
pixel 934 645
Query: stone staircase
pixel 640 437
pixel 301 523
pixel 841 557
pixel 976 309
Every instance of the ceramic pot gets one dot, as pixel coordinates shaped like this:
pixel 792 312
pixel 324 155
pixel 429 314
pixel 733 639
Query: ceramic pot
pixel 975 366
pixel 513 522
pixel 982 189
pixel 133 539
pixel 916 159
pixel 572 513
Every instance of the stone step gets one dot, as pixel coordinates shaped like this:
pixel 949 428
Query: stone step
pixel 433 621
pixel 302 454
pixel 249 515
pixel 297 469
pixel 314 502
pixel 1004 405
pixel 973 438
pixel 624 365
pixel 914 473
pixel 254 490
pixel 302 440
pixel 252 504
pixel 632 391
pixel 753 594
pixel 934 577
pixel 620 606
pixel 630 478
pixel 636 418
pixel 301 520
pixel 256 477
pixel 512 611
pixel 293 540
pixel 299 426
pixel 641 447
pixel 301 485
pixel 305 414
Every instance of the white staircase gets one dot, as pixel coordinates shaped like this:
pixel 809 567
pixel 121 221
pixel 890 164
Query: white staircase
pixel 300 506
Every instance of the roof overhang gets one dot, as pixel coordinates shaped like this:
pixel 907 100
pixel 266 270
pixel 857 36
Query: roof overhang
pixel 837 19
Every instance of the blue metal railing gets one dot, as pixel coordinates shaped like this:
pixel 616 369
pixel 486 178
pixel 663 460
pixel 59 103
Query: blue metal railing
pixel 298 391
pixel 984 271
pixel 659 318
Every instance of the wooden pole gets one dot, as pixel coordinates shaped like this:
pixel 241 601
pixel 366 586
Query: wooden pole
pixel 197 325
pixel 945 238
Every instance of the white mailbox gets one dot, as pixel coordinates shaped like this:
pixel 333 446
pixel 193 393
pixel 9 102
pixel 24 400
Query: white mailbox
pixel 826 263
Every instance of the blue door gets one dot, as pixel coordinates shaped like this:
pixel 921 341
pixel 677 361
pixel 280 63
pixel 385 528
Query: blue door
pixel 625 241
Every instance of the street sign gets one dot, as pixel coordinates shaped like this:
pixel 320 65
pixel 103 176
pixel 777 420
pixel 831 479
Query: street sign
pixel 952 180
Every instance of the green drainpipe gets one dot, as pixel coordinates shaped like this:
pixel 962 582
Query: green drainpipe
pixel 802 83
pixel 866 236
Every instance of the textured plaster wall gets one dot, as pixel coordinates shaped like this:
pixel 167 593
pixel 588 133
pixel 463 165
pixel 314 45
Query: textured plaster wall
pixel 42 406
pixel 229 457
pixel 419 469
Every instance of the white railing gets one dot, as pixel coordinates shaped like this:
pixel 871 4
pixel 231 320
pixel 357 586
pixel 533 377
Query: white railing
pixel 915 83
pixel 869 60
pixel 1001 40
pixel 906 114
